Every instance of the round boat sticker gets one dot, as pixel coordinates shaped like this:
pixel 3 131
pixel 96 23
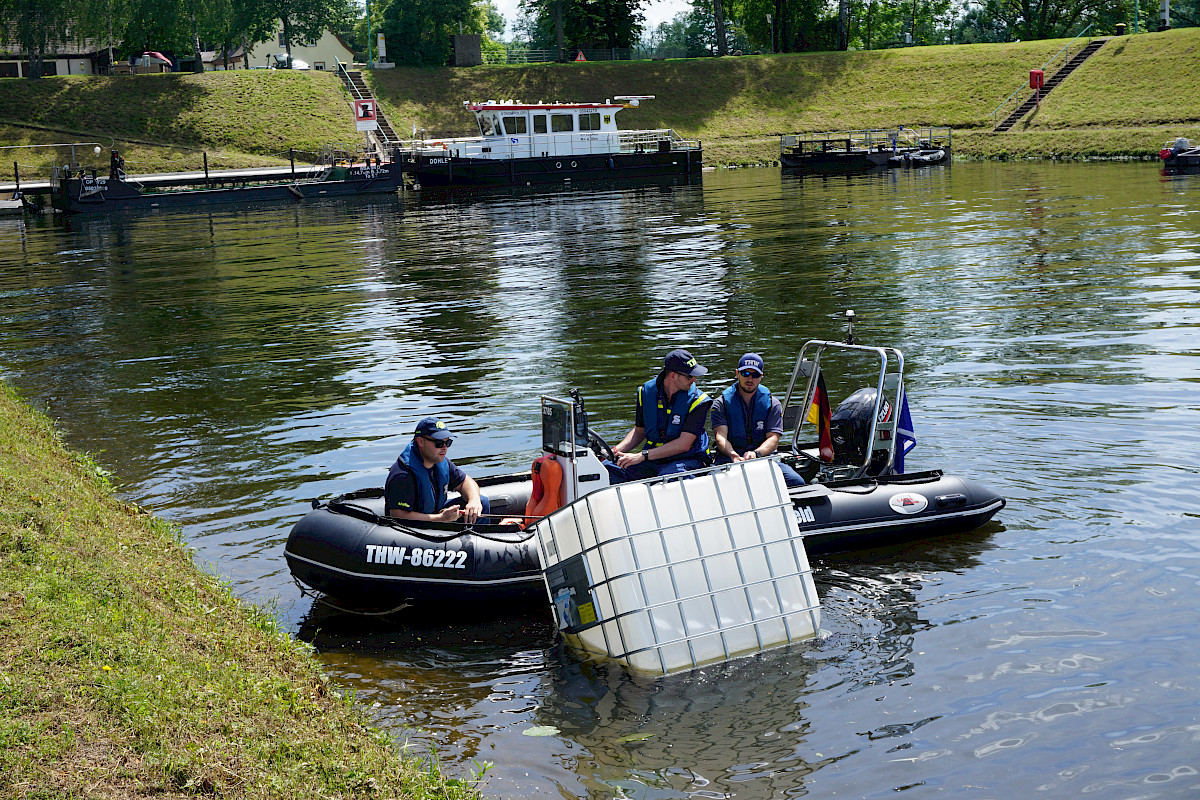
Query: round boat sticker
pixel 908 503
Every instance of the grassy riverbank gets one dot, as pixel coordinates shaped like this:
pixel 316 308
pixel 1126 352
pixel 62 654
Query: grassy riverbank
pixel 126 672
pixel 1129 98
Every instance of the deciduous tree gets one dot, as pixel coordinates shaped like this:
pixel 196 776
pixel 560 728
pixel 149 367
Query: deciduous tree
pixel 35 25
pixel 419 31
pixel 585 23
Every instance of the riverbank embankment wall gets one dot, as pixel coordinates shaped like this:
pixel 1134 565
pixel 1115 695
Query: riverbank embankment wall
pixel 125 671
pixel 1125 101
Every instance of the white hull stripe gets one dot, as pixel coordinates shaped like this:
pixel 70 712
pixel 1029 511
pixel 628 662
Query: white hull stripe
pixel 902 521
pixel 413 579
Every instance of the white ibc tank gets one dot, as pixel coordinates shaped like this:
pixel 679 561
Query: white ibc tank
pixel 668 575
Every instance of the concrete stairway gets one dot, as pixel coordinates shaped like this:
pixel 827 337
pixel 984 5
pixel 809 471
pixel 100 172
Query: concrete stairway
pixel 384 138
pixel 1058 77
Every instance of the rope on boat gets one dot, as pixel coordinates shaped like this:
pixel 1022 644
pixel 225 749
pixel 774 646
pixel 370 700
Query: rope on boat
pixel 321 598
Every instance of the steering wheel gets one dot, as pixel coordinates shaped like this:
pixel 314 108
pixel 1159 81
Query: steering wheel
pixel 600 447
pixel 809 457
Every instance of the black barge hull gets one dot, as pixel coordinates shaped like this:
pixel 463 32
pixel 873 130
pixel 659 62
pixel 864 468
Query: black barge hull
pixel 83 194
pixel 451 170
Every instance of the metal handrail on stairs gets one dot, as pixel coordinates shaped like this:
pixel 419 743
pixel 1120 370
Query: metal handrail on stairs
pixel 384 141
pixel 357 95
pixel 995 119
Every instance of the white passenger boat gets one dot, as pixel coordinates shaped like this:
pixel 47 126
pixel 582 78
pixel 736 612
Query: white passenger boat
pixel 539 143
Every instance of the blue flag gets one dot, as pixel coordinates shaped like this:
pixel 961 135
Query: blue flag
pixel 906 440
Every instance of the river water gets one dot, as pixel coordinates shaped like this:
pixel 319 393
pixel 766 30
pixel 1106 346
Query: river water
pixel 228 365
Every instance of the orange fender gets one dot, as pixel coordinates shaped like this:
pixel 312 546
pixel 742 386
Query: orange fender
pixel 547 488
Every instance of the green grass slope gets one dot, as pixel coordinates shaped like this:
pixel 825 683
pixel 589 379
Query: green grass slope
pixel 739 97
pixel 127 672
pixel 1136 92
pixel 737 106
pixel 1151 79
pixel 260 112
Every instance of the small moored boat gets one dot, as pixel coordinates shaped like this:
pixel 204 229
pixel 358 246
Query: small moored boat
pixel 540 143
pixel 1180 155
pixel 853 151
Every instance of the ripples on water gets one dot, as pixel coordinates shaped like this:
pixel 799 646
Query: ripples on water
pixel 228 365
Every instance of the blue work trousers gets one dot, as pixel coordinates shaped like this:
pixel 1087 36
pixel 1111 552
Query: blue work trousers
pixel 652 469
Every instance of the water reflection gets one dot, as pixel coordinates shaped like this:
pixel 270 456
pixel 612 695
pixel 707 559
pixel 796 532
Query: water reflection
pixel 228 365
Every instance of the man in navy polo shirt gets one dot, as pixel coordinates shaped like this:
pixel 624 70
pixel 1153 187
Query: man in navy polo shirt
pixel 669 423
pixel 748 421
pixel 417 484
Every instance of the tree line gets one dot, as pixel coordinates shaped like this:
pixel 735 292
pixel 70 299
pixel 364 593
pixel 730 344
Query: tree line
pixel 419 32
pixel 130 27
pixel 720 27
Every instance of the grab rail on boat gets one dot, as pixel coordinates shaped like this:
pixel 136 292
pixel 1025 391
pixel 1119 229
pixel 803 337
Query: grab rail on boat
pixel 891 365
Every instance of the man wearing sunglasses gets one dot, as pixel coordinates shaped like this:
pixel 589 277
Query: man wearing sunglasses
pixel 669 422
pixel 418 483
pixel 748 420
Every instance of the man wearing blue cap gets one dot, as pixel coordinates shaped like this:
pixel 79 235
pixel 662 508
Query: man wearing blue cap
pixel 669 423
pixel 418 483
pixel 748 420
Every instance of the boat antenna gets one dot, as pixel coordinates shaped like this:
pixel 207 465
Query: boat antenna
pixel 849 326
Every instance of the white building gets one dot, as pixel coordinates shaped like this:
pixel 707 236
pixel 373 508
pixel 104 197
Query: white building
pixel 75 57
pixel 323 54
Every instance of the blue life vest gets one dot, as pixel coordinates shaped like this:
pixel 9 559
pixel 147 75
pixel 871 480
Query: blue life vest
pixel 429 498
pixel 735 415
pixel 664 425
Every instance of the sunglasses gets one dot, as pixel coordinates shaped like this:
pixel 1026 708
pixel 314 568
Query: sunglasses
pixel 749 373
pixel 439 443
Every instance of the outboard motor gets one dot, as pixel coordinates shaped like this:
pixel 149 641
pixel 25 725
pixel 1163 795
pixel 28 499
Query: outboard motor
pixel 850 429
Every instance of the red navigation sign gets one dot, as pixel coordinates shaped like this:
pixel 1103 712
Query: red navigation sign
pixel 365 115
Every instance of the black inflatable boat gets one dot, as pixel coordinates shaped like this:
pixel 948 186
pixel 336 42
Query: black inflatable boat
pixel 875 512
pixel 858 497
pixel 347 549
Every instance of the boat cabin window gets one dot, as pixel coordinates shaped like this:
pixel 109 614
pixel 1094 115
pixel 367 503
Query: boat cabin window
pixel 589 122
pixel 514 125
pixel 539 123
pixel 562 123
pixel 485 125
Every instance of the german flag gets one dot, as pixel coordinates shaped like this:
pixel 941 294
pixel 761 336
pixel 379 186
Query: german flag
pixel 818 414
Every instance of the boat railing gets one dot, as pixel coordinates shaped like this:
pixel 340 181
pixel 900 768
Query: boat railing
pixel 867 139
pixel 640 141
pixel 564 144
pixel 889 398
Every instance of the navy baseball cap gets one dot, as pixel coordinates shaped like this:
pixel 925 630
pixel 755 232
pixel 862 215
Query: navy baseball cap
pixel 752 361
pixel 682 361
pixel 433 428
